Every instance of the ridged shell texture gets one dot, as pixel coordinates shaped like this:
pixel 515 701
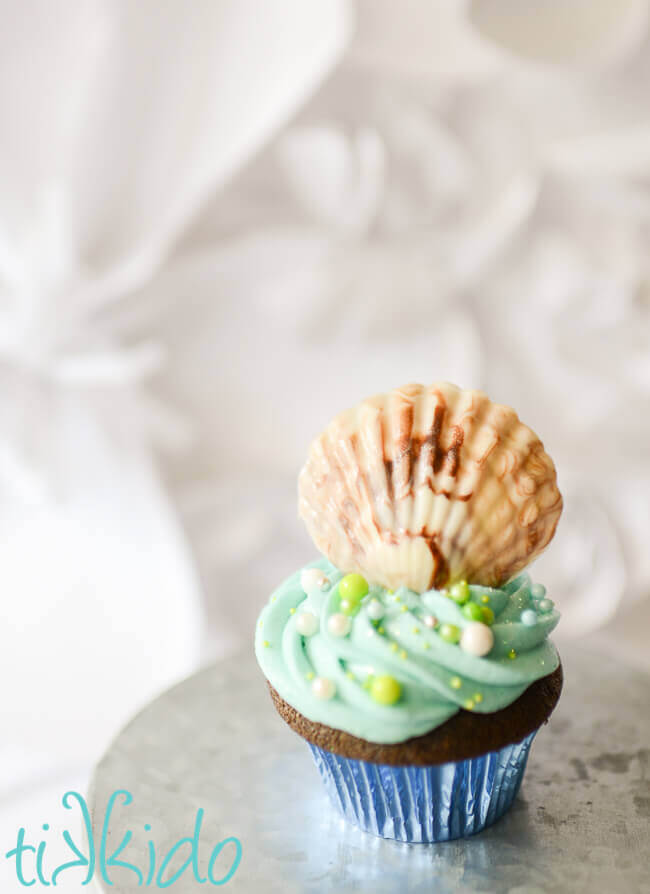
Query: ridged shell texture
pixel 426 485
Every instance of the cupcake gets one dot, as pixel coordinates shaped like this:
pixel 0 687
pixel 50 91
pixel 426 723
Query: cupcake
pixel 413 657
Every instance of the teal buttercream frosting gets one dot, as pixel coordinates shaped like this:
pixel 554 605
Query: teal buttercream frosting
pixel 329 674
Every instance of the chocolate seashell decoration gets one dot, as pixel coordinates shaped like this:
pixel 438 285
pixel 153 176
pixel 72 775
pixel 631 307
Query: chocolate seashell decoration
pixel 426 485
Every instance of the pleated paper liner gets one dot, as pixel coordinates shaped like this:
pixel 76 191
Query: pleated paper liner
pixel 425 804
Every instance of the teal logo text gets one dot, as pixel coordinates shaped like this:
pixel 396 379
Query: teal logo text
pixel 97 858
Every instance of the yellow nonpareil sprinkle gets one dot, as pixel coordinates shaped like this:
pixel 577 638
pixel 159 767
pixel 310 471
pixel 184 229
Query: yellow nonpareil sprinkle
pixel 398 599
pixel 426 645
pixel 405 608
pixel 266 643
pixel 512 654
pixel 403 654
pixel 455 682
pixel 350 675
pixel 274 598
pixel 469 704
pixel 381 630
pixel 394 647
pixel 292 611
pixel 310 675
pixel 416 630
pixel 485 599
pixel 478 697
pixel 261 623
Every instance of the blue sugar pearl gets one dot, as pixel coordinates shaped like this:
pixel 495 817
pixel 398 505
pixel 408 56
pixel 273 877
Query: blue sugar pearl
pixel 546 605
pixel 538 591
pixel 529 617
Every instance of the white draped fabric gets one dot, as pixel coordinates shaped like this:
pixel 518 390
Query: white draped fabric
pixel 119 122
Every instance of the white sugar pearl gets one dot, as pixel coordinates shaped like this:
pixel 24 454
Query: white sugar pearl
pixel 375 610
pixel 546 605
pixel 323 688
pixel 339 625
pixel 477 639
pixel 313 580
pixel 306 623
pixel 538 591
pixel 430 621
pixel 529 617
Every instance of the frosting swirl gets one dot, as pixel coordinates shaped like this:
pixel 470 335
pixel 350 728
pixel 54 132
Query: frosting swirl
pixel 391 667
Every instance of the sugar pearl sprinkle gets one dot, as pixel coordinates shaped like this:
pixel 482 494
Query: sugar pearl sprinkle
pixel 385 690
pixel 431 621
pixel 529 618
pixel 487 615
pixel 352 588
pixel 313 580
pixel 375 610
pixel 339 624
pixel 306 623
pixel 323 688
pixel 546 605
pixel 477 639
pixel 459 592
pixel 450 633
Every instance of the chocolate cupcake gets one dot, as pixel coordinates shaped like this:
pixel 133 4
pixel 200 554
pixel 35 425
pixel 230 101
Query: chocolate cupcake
pixel 414 658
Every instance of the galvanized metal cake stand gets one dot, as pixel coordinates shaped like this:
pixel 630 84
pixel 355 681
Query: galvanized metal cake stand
pixel 580 823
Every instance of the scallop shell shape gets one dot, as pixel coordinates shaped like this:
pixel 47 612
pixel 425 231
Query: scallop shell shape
pixel 426 485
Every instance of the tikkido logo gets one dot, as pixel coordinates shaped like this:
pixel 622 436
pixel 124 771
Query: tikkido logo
pixel 152 870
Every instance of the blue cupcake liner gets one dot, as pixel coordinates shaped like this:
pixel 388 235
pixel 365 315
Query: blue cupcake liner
pixel 425 804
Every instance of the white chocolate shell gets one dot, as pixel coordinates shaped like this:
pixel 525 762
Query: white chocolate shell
pixel 426 485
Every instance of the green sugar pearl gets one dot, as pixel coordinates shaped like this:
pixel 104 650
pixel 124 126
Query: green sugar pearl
pixel 353 587
pixel 350 606
pixel 385 690
pixel 487 615
pixel 473 612
pixel 449 632
pixel 459 592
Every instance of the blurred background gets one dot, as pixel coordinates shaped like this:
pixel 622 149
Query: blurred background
pixel 222 223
